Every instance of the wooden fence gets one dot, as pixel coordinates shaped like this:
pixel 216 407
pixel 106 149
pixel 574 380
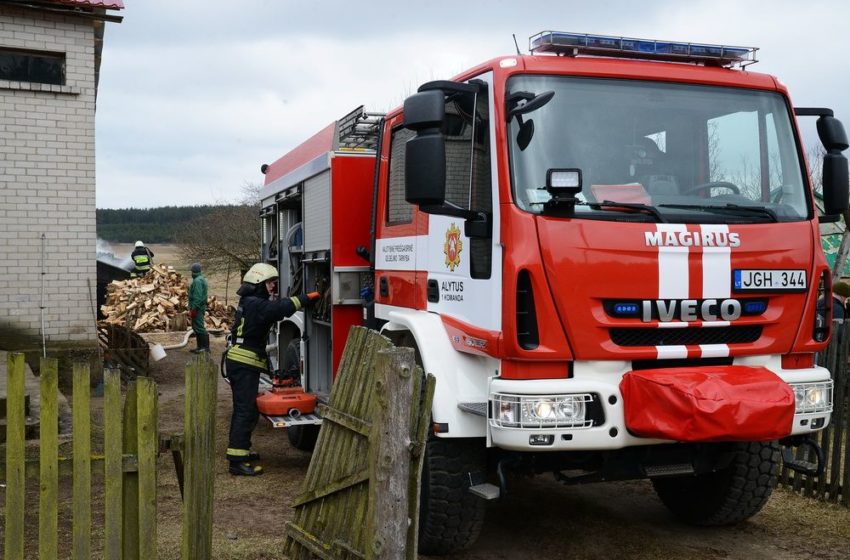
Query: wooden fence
pixel 834 484
pixel 131 444
pixel 360 498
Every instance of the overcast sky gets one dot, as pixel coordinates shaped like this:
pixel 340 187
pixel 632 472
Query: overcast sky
pixel 196 94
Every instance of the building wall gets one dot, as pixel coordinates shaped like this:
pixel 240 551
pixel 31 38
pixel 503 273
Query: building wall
pixel 47 185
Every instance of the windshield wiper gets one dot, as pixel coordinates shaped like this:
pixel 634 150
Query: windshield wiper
pixel 636 206
pixel 727 209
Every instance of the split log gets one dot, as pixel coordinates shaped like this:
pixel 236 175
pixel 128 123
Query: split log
pixel 158 302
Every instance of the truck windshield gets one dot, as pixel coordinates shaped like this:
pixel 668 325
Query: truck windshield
pixel 696 154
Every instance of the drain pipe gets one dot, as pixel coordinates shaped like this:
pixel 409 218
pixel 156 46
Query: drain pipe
pixel 43 272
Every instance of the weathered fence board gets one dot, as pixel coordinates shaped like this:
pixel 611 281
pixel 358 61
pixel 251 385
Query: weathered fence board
pixel 199 457
pixel 148 441
pixel 130 482
pixel 352 479
pixel 15 469
pixel 390 440
pixel 81 428
pixel 113 463
pixel 48 514
pixel 423 387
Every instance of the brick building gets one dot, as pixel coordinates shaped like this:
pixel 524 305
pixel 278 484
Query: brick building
pixel 49 64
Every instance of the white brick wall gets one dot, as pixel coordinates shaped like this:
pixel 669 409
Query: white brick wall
pixel 47 184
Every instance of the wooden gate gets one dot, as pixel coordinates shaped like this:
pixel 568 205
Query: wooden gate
pixel 131 444
pixel 360 498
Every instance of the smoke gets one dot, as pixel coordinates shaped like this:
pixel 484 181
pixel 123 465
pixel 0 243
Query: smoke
pixel 104 248
pixel 105 253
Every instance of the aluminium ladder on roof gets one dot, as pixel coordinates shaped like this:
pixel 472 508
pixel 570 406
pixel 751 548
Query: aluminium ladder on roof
pixel 359 130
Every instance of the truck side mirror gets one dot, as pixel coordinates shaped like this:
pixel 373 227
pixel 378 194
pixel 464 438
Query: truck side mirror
pixel 425 154
pixel 836 183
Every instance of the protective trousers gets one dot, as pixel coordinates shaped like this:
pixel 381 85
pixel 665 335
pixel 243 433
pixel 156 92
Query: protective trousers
pixel 198 322
pixel 244 383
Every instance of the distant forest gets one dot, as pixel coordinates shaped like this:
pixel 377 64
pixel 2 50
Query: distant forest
pixel 151 225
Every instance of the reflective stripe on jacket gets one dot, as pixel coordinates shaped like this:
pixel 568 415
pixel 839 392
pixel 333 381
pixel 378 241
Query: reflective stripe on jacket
pixel 142 259
pixel 254 319
pixel 247 357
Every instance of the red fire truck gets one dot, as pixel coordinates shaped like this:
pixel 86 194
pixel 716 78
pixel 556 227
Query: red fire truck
pixel 606 251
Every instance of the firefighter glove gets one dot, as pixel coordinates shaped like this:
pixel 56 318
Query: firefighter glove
pixel 309 300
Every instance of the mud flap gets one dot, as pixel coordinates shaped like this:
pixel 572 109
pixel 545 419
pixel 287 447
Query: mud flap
pixel 727 403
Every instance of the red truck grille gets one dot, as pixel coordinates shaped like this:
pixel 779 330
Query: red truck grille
pixel 686 336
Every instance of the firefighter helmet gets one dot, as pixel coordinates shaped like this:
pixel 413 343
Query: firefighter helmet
pixel 139 244
pixel 260 272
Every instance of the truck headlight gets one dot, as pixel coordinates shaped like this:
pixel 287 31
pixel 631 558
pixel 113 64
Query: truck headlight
pixel 812 397
pixel 536 411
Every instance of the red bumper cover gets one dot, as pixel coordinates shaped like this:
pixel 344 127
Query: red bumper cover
pixel 728 403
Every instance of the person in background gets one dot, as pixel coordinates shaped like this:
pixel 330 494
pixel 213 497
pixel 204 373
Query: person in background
pixel 198 308
pixel 142 260
pixel 258 310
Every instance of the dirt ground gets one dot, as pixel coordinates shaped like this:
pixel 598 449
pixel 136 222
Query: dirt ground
pixel 538 518
pixel 249 512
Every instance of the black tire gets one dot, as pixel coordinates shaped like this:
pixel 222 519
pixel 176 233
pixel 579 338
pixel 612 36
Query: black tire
pixel 728 496
pixel 303 437
pixel 450 518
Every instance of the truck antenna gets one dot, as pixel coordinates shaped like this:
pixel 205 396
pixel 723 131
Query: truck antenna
pixel 516 44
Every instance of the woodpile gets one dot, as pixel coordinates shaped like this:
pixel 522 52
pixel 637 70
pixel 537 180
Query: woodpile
pixel 158 302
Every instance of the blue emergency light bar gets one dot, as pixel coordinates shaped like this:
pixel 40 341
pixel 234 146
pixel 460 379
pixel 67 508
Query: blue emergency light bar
pixel 573 44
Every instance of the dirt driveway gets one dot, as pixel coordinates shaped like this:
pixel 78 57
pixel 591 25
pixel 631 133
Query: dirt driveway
pixel 539 519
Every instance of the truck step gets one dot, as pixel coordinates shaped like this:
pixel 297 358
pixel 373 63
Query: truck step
pixel 476 408
pixel 809 449
pixel 287 421
pixel 656 471
pixel 485 491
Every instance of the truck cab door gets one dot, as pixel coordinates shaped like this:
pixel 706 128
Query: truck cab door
pixel 463 266
pixel 400 229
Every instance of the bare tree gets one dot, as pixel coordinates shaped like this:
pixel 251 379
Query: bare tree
pixel 815 159
pixel 714 171
pixel 228 238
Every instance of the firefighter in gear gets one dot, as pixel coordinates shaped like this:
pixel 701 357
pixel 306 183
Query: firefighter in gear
pixel 142 260
pixel 247 358
pixel 198 308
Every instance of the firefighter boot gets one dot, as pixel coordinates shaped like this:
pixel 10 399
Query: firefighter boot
pixel 245 468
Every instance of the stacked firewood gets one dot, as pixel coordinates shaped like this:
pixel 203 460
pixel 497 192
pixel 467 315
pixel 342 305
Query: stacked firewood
pixel 158 302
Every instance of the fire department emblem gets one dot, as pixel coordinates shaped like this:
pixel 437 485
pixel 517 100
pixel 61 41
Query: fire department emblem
pixel 452 247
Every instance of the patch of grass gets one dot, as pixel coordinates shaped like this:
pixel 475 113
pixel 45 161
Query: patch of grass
pixel 809 519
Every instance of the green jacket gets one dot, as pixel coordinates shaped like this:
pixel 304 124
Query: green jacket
pixel 198 291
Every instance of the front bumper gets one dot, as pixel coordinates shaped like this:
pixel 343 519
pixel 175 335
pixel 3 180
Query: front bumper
pixel 602 379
